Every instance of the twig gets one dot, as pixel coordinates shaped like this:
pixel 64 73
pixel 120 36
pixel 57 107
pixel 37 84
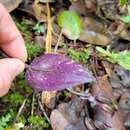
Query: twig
pixel 85 96
pixel 43 110
pixel 77 93
pixel 49 31
pixel 33 100
pixel 58 42
pixel 56 34
pixel 20 110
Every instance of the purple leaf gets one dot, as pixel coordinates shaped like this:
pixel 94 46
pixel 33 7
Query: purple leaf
pixel 55 72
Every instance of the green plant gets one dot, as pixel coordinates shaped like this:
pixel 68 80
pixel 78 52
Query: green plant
pixel 126 19
pixel 39 28
pixel 20 81
pixel 81 56
pixel 59 67
pixel 16 98
pixel 70 23
pixel 33 50
pixel 122 2
pixel 38 122
pixel 4 121
pixel 122 58
pixel 23 27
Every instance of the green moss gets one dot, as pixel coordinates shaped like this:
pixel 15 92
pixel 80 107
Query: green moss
pixel 20 81
pixel 38 122
pixel 33 49
pixel 16 98
pixel 23 27
pixel 80 57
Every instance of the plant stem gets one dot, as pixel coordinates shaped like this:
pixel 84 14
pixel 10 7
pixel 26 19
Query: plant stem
pixel 20 110
pixel 57 44
pixel 29 67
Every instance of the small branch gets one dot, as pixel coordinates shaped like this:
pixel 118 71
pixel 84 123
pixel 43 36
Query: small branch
pixel 85 96
pixel 49 31
pixel 43 110
pixel 77 93
pixel 20 110
pixel 102 102
pixel 58 42
pixel 33 102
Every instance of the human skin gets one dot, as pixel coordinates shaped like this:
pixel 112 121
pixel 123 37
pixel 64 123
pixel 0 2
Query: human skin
pixel 12 43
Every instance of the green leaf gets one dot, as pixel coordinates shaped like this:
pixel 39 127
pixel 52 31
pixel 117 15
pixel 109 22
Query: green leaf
pixel 102 51
pixel 125 19
pixel 106 53
pixel 123 59
pixel 122 2
pixel 33 50
pixel 4 120
pixel 39 28
pixel 70 23
pixel 128 9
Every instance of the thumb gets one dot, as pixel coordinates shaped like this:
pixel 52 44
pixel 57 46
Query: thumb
pixel 9 68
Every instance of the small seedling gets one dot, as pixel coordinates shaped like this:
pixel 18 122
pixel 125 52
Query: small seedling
pixel 70 24
pixel 55 72
pixel 39 28
pixel 122 58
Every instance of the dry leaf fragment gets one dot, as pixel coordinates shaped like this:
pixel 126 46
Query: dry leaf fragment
pixel 49 99
pixel 40 11
pixel 102 87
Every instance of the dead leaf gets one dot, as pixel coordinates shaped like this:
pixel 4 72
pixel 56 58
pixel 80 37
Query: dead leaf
pixel 78 6
pixel 49 99
pixel 102 87
pixel 39 11
pixel 94 32
pixel 91 6
pixel 68 116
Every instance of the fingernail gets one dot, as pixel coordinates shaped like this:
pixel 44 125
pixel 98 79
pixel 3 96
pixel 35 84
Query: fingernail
pixel 19 68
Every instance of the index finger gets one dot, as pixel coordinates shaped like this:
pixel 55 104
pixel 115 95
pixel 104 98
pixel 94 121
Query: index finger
pixel 11 40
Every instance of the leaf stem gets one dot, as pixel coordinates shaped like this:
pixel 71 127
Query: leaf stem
pixel 58 42
pixel 29 67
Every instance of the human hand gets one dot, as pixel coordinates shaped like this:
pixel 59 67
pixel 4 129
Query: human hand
pixel 12 43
